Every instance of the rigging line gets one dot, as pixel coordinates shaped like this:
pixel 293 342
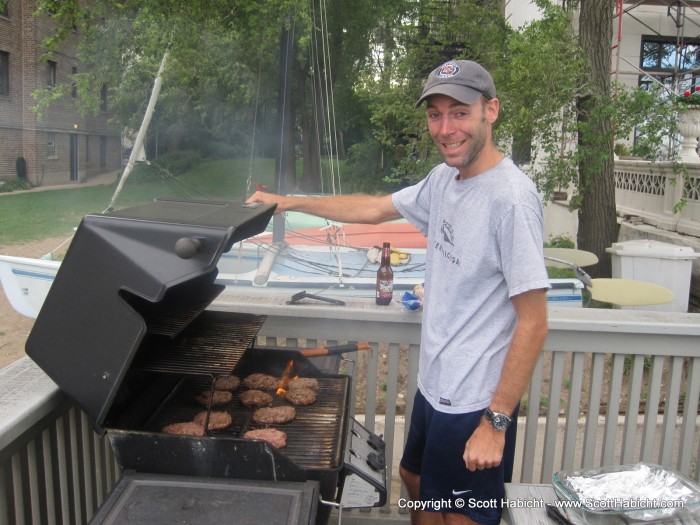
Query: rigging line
pixel 326 56
pixel 312 267
pixel 168 177
pixel 287 54
pixel 313 51
pixel 324 268
pixel 249 180
pixel 321 106
pixel 319 101
pixel 49 255
pixel 333 126
pixel 334 247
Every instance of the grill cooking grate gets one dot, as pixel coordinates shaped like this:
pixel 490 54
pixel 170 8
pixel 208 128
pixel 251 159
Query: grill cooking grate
pixel 211 345
pixel 178 309
pixel 313 437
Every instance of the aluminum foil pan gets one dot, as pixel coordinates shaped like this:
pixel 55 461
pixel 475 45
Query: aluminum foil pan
pixel 642 492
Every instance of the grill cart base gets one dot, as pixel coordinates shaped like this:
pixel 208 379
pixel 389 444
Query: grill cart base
pixel 149 499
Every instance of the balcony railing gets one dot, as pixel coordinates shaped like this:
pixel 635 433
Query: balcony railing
pixel 653 191
pixel 612 387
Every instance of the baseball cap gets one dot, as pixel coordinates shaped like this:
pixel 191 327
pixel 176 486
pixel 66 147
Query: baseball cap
pixel 463 80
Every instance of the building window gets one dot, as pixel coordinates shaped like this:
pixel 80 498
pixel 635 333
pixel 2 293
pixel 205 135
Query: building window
pixel 668 62
pixel 74 86
pixel 50 73
pixel 50 145
pixel 3 10
pixel 4 73
pixel 103 98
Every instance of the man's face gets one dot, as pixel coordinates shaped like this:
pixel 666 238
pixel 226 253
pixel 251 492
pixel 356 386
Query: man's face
pixel 459 130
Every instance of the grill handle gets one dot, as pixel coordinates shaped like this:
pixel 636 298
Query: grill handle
pixel 332 350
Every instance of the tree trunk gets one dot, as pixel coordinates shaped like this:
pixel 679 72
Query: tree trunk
pixel 598 227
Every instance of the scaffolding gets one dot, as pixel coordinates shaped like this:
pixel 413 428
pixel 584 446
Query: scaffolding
pixel 685 15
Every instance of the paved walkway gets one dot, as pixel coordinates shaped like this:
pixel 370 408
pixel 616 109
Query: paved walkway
pixel 103 179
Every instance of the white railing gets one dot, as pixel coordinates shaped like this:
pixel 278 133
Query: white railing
pixel 640 370
pixel 653 191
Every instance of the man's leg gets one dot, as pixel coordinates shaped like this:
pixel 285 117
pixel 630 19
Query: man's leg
pixel 418 517
pixel 412 483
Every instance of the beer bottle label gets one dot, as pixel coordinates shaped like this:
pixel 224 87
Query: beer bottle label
pixel 385 287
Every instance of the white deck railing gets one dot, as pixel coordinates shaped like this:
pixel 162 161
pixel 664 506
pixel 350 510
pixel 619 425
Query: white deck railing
pixel 652 190
pixel 641 368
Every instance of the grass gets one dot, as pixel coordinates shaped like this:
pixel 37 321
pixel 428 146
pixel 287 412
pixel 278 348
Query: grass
pixel 26 217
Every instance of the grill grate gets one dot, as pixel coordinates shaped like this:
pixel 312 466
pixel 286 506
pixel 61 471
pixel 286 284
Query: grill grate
pixel 313 438
pixel 181 306
pixel 211 345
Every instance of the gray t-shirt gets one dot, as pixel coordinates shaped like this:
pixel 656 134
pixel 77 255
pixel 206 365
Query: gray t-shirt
pixel 484 246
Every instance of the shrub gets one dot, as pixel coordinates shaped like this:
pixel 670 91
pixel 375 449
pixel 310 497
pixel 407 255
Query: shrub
pixel 8 186
pixel 560 241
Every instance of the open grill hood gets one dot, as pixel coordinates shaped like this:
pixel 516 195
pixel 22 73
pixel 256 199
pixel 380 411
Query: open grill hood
pixel 141 272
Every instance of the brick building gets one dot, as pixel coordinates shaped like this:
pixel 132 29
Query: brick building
pixel 63 147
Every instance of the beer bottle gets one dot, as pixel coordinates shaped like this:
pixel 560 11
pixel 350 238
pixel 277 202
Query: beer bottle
pixel 385 277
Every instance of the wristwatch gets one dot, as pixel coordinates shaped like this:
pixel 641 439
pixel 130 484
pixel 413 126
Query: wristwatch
pixel 498 421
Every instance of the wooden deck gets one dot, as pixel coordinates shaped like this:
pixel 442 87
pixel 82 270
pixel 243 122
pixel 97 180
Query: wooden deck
pixel 53 468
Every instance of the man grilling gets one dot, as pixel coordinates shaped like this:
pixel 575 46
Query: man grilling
pixel 484 318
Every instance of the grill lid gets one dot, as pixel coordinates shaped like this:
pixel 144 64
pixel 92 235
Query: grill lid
pixel 146 270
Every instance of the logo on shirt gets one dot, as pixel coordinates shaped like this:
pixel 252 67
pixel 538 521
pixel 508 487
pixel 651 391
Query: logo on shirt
pixel 460 492
pixel 448 233
pixel 444 401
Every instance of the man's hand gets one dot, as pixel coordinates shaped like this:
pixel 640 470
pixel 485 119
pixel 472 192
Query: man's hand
pixel 484 449
pixel 268 198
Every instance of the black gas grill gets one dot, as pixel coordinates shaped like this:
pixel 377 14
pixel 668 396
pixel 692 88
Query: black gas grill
pixel 126 333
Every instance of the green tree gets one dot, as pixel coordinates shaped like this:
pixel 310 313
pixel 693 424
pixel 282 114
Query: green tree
pixel 357 68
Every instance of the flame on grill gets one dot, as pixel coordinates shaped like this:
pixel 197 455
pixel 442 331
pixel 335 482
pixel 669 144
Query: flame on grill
pixel 284 382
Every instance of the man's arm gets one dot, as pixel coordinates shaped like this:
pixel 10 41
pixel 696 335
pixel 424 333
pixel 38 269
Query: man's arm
pixel 484 449
pixel 366 209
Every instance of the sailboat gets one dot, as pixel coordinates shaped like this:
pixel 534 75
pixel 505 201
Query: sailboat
pixel 299 254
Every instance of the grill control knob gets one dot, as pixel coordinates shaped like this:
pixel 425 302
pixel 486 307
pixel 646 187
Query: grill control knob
pixel 376 442
pixel 376 461
pixel 187 247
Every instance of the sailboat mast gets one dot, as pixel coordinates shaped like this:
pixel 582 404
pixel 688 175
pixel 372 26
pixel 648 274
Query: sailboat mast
pixel 285 170
pixel 141 136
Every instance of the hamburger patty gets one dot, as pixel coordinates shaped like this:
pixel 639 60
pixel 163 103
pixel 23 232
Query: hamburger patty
pixel 219 397
pixel 217 420
pixel 188 428
pixel 230 383
pixel 255 398
pixel 269 415
pixel 300 396
pixel 260 381
pixel 303 382
pixel 276 438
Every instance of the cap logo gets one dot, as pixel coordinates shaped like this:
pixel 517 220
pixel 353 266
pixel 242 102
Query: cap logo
pixel 448 70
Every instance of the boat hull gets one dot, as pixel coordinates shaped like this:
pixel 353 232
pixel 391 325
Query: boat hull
pixel 26 282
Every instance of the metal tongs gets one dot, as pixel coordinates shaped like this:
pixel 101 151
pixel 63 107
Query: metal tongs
pixel 304 295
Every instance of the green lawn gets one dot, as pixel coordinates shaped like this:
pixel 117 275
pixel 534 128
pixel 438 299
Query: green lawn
pixel 31 216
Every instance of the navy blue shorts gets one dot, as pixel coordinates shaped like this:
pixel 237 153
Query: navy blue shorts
pixel 434 450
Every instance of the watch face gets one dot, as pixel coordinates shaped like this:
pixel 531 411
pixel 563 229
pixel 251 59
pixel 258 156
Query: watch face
pixel 498 421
